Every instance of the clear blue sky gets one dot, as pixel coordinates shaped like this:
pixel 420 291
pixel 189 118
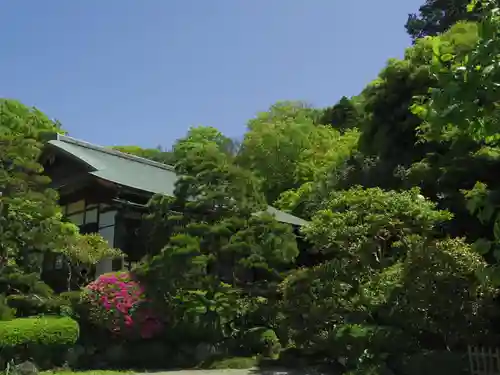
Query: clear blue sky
pixel 142 72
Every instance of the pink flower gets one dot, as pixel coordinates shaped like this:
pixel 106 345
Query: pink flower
pixel 119 302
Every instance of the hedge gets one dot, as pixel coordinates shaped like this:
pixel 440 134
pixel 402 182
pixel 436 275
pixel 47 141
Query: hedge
pixel 43 339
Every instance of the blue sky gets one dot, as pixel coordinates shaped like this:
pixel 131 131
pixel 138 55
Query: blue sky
pixel 142 72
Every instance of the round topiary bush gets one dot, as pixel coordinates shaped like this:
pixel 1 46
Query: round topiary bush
pixel 117 302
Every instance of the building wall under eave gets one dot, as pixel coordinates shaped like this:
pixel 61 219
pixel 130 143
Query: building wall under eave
pixel 100 218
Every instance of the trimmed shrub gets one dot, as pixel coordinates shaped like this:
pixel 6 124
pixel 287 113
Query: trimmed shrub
pixel 73 297
pixel 43 339
pixel 13 282
pixel 263 341
pixel 30 305
pixel 6 312
pixel 71 305
pixel 117 302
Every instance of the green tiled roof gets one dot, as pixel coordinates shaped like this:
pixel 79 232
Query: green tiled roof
pixel 133 171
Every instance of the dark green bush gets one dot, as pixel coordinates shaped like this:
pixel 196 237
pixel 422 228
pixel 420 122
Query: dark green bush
pixel 6 312
pixel 71 305
pixel 14 282
pixel 263 341
pixel 371 343
pixel 30 305
pixel 72 297
pixel 45 340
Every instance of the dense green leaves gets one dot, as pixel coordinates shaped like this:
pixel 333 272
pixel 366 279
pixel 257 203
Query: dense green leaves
pixel 388 179
pixel 344 115
pixel 44 331
pixel 221 248
pixel 31 222
pixel 437 16
pixel 154 154
pixel 18 119
pixel 439 293
pixel 371 225
pixel 30 219
pixel 463 100
pixel 285 148
pixel 401 252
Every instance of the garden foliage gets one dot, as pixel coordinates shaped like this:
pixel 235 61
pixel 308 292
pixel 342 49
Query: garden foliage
pixel 118 303
pixel 397 265
pixel 44 339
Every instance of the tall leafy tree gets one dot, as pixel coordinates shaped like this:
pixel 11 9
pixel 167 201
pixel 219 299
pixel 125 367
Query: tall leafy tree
pixel 285 148
pixel 435 17
pixel 30 218
pixel 28 210
pixel 344 115
pixel 375 294
pixel 28 122
pixel 31 222
pixel 462 113
pixel 319 169
pixel 214 244
pixel 389 142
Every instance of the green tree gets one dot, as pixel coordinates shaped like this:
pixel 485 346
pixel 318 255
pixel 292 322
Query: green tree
pixel 30 218
pixel 461 114
pixel 437 16
pixel 317 169
pixel 214 245
pixel 18 119
pixel 31 222
pixel 368 228
pixel 85 250
pixel 434 293
pixel 154 154
pixel 383 267
pixel 389 139
pixel 464 95
pixel 359 233
pixel 343 116
pixel 286 148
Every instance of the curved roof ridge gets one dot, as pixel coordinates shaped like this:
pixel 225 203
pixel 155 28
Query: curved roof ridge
pixel 109 151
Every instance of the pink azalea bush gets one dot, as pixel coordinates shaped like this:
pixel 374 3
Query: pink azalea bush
pixel 117 301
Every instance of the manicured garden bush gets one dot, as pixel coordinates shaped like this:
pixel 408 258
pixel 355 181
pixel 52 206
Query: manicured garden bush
pixel 72 297
pixel 263 341
pixel 6 312
pixel 30 305
pixel 43 339
pixel 14 282
pixel 71 305
pixel 117 302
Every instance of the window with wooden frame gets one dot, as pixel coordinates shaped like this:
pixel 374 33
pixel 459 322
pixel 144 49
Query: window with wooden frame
pixel 92 218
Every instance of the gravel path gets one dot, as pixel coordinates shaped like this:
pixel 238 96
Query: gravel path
pixel 237 372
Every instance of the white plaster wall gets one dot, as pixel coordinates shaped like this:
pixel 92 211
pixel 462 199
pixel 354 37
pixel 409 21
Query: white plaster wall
pixel 104 266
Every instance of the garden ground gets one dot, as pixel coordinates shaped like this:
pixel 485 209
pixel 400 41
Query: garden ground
pixel 252 371
pixel 239 372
